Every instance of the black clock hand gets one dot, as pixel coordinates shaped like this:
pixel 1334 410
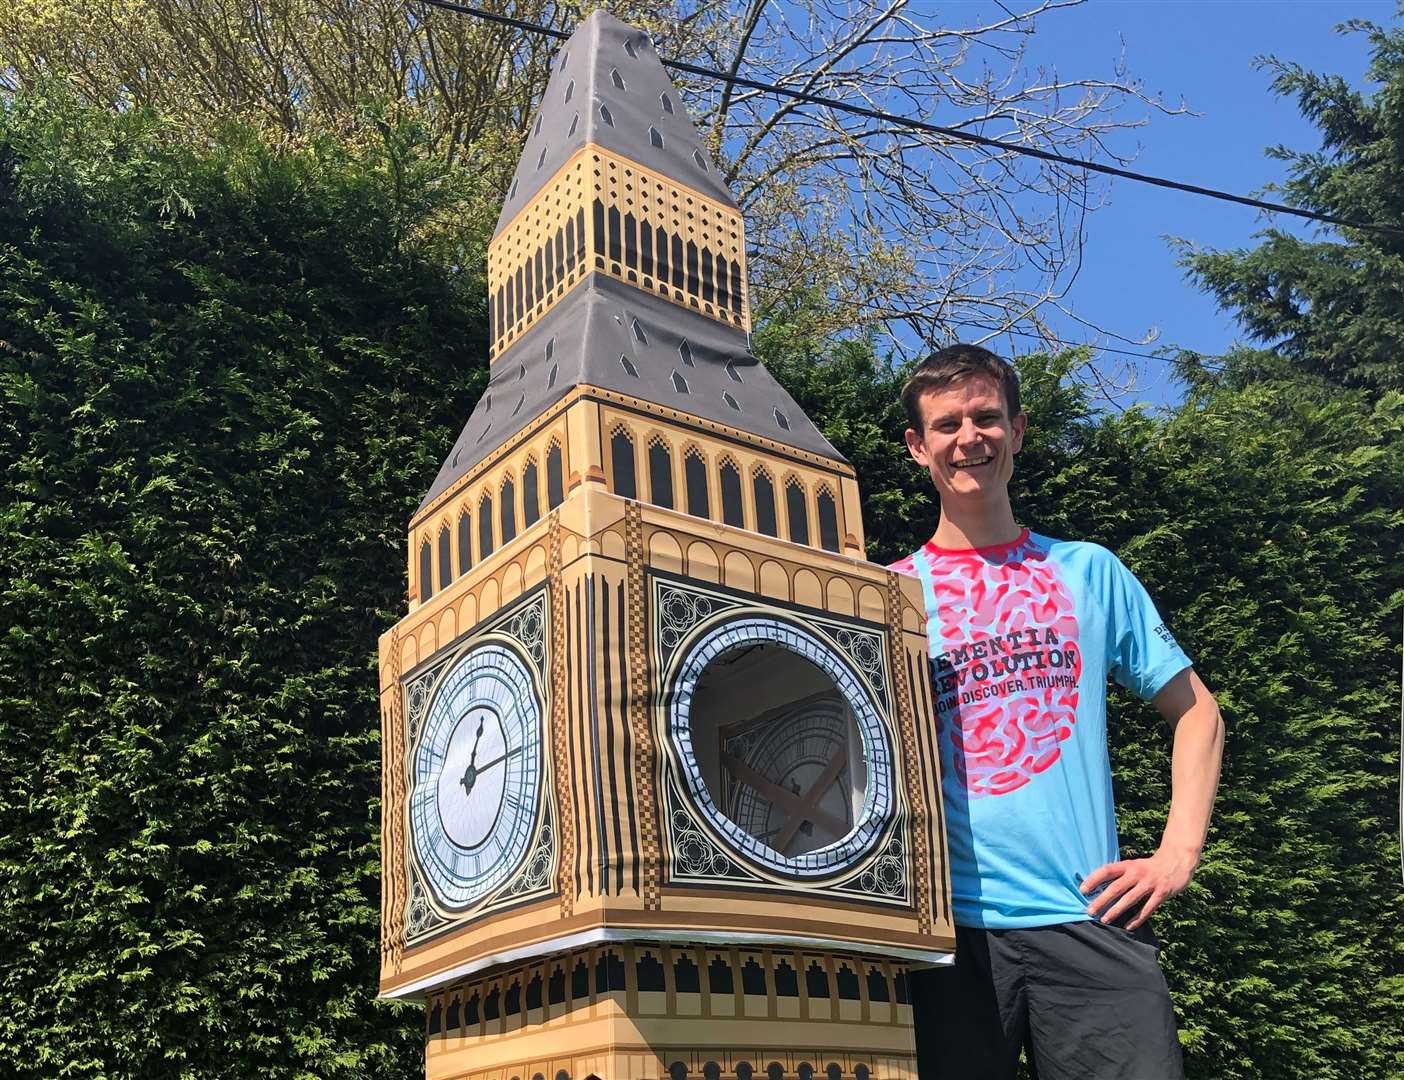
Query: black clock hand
pixel 478 738
pixel 497 760
pixel 470 774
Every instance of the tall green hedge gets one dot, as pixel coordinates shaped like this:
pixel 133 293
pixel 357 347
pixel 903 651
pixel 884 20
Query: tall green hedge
pixel 224 378
pixel 227 375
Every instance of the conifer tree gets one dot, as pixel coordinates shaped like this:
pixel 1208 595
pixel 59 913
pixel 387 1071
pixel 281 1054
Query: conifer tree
pixel 1330 304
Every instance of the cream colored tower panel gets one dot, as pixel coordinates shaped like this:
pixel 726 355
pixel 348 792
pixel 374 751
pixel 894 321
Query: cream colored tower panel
pixel 665 836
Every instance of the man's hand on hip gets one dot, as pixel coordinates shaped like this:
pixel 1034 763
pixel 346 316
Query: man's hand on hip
pixel 1131 882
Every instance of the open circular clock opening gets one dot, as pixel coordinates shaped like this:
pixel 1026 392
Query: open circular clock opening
pixel 777 748
pixel 780 746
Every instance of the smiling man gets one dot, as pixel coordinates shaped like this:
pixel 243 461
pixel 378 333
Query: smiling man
pixel 1053 948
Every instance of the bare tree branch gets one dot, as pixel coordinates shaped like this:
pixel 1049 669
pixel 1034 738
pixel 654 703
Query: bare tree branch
pixel 876 223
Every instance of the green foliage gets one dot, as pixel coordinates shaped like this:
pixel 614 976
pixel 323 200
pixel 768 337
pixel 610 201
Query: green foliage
pixel 1267 525
pixel 1291 943
pixel 225 376
pixel 1277 548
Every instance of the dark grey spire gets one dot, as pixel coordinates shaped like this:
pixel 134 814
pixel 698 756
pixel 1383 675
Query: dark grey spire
pixel 655 312
pixel 608 87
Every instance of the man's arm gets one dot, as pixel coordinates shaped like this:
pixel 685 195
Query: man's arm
pixel 1193 716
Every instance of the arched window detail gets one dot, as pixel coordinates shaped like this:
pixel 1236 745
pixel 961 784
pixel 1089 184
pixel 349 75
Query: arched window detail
pixel 445 558
pixel 507 508
pixel 426 570
pixel 555 477
pixel 621 455
pixel 465 542
pixel 485 527
pixel 531 503
pixel 828 519
pixel 796 511
pixel 695 482
pixel 660 474
pixel 733 503
pixel 764 491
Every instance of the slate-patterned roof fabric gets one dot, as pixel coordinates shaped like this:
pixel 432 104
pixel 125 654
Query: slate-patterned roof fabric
pixel 609 334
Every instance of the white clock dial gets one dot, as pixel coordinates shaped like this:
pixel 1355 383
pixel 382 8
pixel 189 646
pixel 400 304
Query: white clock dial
pixel 476 776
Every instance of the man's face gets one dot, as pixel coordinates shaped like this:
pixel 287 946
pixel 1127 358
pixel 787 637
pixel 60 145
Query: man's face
pixel 968 440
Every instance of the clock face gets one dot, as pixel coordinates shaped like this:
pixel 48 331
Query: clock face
pixel 476 777
pixel 781 747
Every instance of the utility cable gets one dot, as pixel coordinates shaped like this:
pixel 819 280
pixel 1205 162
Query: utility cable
pixel 1204 358
pixel 948 132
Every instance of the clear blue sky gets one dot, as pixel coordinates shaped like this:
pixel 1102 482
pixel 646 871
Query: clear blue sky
pixel 1201 51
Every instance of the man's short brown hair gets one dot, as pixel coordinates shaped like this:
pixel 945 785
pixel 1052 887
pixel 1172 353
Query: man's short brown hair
pixel 950 365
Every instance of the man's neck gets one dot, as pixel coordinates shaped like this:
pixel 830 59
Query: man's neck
pixel 976 526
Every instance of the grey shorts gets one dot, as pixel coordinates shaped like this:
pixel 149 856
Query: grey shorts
pixel 1088 1001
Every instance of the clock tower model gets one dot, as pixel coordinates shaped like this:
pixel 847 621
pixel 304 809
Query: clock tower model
pixel 661 790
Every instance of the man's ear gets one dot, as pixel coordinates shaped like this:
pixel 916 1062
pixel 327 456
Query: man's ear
pixel 916 447
pixel 1016 432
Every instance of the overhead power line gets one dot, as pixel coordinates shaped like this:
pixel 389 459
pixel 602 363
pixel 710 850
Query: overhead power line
pixel 948 132
pixel 1203 358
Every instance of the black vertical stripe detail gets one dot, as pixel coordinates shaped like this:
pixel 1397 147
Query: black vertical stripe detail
pixel 631 242
pixel 550 265
pixel 592 687
pixel 599 228
pixel 708 291
pixel 571 726
pixel 560 252
pixel 570 245
pixel 521 295
pixel 583 716
pixel 678 262
pixel 723 297
pixel 580 234
pixel 633 781
pixel 614 244
pixel 736 286
pixel 607 649
pixel 540 277
pixel 694 284
pixel 530 291
pixel 511 301
pixel 662 246
pixel 646 248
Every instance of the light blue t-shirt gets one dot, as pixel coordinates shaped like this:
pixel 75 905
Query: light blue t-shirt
pixel 1023 638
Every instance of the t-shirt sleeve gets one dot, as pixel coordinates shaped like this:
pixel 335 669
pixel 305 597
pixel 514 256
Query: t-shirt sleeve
pixel 1142 653
pixel 904 566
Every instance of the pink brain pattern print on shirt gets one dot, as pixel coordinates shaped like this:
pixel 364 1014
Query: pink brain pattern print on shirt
pixel 1005 663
